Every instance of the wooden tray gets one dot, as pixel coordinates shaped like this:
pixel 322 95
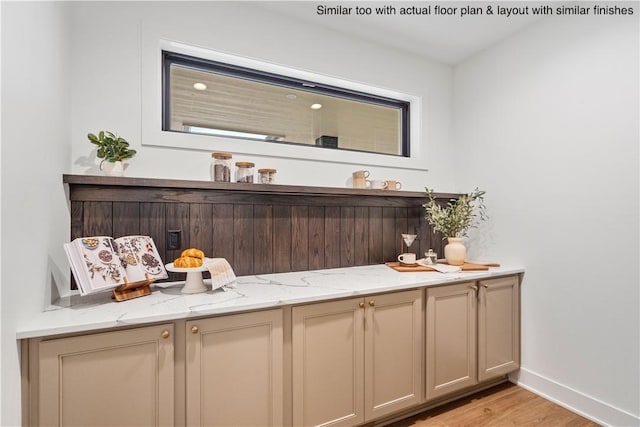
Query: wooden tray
pixel 406 268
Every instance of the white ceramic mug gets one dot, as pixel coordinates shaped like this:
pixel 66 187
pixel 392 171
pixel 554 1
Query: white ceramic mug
pixel 407 258
pixel 378 185
pixel 393 185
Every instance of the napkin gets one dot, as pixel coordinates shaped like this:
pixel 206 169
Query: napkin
pixel 442 268
pixel 222 275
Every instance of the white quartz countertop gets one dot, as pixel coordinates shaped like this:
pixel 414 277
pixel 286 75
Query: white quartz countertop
pixel 166 302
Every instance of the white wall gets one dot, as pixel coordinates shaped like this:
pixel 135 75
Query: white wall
pixel 547 123
pixel 45 118
pixel 108 97
pixel 35 152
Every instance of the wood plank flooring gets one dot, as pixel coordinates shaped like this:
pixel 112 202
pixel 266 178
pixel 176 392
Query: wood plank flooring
pixel 503 405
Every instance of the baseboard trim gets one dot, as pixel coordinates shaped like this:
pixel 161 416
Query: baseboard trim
pixel 575 401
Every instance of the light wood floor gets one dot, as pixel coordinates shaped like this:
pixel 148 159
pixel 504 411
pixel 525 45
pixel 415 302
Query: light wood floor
pixel 502 405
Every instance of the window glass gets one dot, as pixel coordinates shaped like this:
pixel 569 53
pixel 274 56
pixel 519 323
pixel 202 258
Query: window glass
pixel 207 97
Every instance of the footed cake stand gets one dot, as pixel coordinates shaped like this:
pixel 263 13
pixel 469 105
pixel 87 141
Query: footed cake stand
pixel 194 283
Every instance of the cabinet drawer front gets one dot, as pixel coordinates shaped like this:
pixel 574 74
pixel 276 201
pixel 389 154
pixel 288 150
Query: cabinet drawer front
pixel 93 379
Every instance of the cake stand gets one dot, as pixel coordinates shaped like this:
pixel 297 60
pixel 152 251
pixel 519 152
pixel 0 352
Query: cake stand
pixel 194 283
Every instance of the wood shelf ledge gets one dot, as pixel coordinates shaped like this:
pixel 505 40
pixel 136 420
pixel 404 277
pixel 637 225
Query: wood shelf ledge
pixel 266 189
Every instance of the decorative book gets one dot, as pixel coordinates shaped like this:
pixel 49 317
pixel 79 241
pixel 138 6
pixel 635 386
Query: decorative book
pixel 102 263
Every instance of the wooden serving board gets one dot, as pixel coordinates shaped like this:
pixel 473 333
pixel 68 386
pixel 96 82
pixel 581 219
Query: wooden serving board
pixel 413 268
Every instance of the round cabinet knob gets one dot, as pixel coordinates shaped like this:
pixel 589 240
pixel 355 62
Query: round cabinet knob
pixel 194 329
pixel 165 334
pixel 474 287
pixel 361 305
pixel 484 285
pixel 372 303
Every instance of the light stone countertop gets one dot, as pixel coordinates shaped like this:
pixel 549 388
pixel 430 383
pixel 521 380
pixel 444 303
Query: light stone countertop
pixel 166 302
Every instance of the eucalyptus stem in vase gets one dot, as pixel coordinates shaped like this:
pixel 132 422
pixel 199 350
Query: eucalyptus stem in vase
pixel 454 220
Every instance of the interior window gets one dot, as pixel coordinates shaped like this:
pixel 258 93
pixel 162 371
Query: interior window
pixel 225 100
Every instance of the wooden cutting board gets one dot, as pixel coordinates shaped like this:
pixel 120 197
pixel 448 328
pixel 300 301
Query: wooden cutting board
pixel 413 268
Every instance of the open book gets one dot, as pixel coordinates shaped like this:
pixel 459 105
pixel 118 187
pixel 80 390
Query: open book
pixel 101 263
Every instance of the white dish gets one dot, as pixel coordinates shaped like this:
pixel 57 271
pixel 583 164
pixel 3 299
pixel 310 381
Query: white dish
pixel 173 269
pixel 194 283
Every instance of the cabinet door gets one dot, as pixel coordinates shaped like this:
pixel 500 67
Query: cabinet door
pixel 327 357
pixel 234 370
pixel 121 378
pixel 498 327
pixel 393 352
pixel 451 338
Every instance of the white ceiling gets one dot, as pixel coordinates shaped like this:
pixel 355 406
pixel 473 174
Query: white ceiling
pixel 447 39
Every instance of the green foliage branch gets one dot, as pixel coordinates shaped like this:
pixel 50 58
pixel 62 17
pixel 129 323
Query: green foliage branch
pixel 111 147
pixel 458 215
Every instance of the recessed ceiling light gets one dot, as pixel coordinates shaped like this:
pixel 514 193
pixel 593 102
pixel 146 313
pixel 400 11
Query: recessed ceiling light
pixel 291 96
pixel 316 106
pixel 199 86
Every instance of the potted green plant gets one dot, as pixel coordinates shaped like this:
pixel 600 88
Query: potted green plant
pixel 113 149
pixel 454 220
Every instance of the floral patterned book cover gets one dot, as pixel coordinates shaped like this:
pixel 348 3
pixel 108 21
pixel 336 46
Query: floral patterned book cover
pixel 102 262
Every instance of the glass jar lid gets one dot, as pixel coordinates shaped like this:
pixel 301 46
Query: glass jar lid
pixel 267 170
pixel 245 164
pixel 221 155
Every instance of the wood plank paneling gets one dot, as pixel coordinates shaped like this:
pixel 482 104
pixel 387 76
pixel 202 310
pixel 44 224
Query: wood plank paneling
pixel 413 227
pixel 347 236
pixel 331 236
pixel 401 228
pixel 257 229
pixel 390 239
pixel 176 218
pixel 376 255
pixel 282 238
pixel 222 223
pixel 243 239
pixel 77 217
pixel 316 237
pixel 98 219
pixel 201 227
pixel 133 194
pixel 361 235
pixel 152 223
pixel 126 219
pixel 84 182
pixel 300 238
pixel 263 239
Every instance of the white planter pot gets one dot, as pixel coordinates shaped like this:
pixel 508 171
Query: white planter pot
pixel 112 168
pixel 455 251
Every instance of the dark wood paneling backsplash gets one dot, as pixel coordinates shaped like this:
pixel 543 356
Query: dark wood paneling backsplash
pixel 257 228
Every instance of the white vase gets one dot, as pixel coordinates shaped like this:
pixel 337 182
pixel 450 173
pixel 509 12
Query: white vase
pixel 112 168
pixel 455 251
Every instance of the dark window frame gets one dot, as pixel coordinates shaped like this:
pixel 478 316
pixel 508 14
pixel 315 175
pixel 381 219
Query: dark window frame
pixel 231 70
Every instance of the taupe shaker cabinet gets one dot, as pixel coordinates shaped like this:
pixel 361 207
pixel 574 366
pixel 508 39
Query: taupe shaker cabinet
pixel 358 359
pixel 473 333
pixel 234 370
pixel 119 378
pixel 347 361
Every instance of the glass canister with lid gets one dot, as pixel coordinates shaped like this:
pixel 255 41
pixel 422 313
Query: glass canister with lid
pixel 220 169
pixel 244 171
pixel 267 176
